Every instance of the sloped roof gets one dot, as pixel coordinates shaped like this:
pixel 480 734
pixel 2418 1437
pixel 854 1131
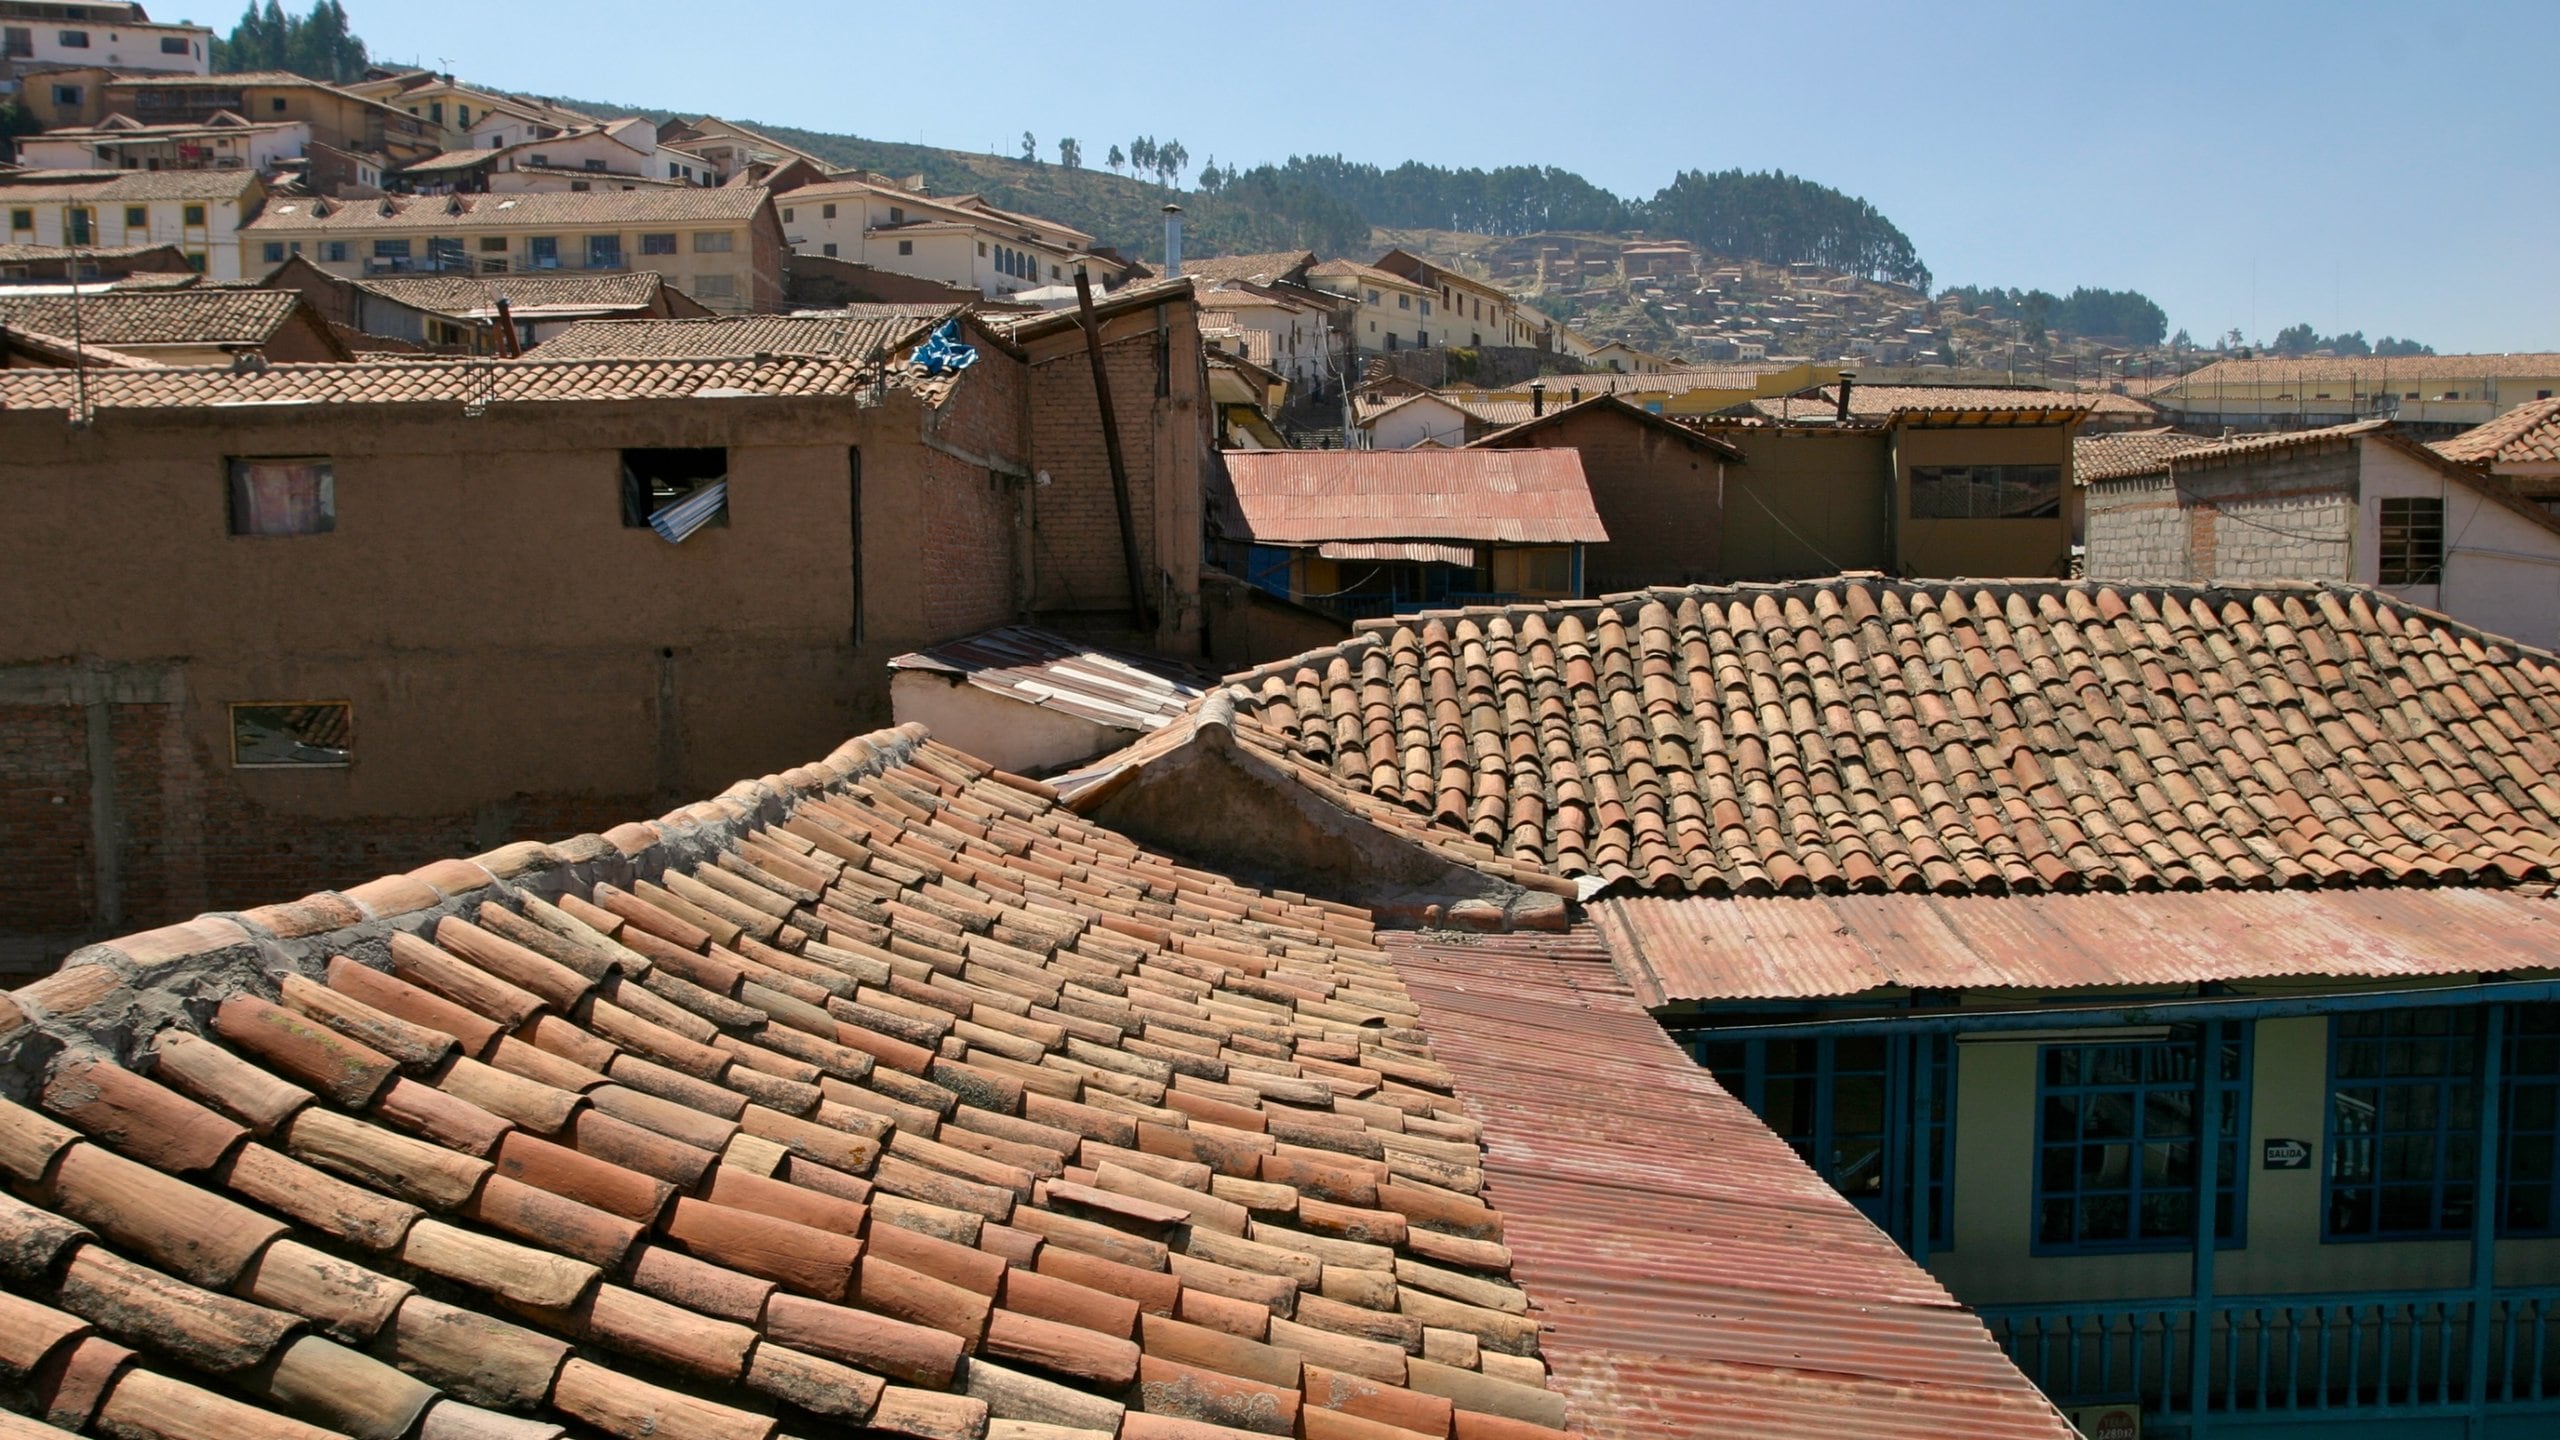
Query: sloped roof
pixel 1777 1313
pixel 481 212
pixel 155 317
pixel 1057 672
pixel 853 337
pixel 881 1092
pixel 535 379
pixel 2128 452
pixel 2527 435
pixel 1305 497
pixel 1262 269
pixel 2244 447
pixel 1863 734
pixel 466 294
pixel 1882 401
pixel 36 187
pixel 1521 432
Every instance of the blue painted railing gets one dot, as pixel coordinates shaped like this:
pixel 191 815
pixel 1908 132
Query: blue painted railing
pixel 2370 1353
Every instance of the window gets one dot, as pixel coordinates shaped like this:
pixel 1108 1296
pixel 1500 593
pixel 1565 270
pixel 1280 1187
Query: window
pixel 657 244
pixel 713 242
pixel 579 185
pixel 1404 302
pixel 544 251
pixel 1426 307
pixel 292 736
pixel 390 249
pixel 828 249
pixel 2116 1133
pixel 1839 1102
pixel 193 216
pixel 462 115
pixel 283 497
pixel 67 96
pixel 2412 551
pixel 1055 273
pixel 897 215
pixel 447 253
pixel 333 251
pixel 787 215
pixel 17 42
pixel 173 45
pixel 137 217
pixel 1373 297
pixel 1986 492
pixel 22 219
pixel 982 249
pixel 2404 1118
pixel 654 481
pixel 435 111
pixel 604 252
pixel 715 287
pixel 73 39
pixel 595 165
pixel 827 212
pixel 277 105
pixel 275 252
pixel 906 247
pixel 493 244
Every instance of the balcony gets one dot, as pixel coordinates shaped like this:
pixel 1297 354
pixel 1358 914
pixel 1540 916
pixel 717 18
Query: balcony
pixel 2395 1358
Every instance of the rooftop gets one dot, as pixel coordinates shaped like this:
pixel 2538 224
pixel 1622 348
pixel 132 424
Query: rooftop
pixel 1306 497
pixel 2526 435
pixel 1056 672
pixel 885 1092
pixel 41 187
pixel 859 335
pixel 1861 734
pixel 478 294
pixel 2270 368
pixel 1263 269
pixel 534 380
pixel 2128 452
pixel 569 208
pixel 154 317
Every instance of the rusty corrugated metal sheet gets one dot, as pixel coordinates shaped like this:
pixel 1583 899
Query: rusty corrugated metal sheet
pixel 1306 497
pixel 1698 948
pixel 1422 551
pixel 1695 1278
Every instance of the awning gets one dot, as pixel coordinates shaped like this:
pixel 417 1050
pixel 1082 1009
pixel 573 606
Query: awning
pixel 1421 551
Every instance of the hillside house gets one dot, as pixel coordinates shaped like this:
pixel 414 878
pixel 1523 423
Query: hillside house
pixel 174 326
pixel 120 142
pixel 958 240
pixel 458 314
pixel 200 212
pixel 1389 312
pixel 1471 312
pixel 112 33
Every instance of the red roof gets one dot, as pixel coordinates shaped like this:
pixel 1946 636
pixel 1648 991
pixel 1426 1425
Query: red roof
pixel 1698 948
pixel 1692 1276
pixel 1520 497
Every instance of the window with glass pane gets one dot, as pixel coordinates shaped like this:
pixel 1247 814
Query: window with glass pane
pixel 2117 1144
pixel 1986 492
pixel 283 497
pixel 2529 1119
pixel 2404 1123
pixel 2412 551
pixel 1844 1105
pixel 604 252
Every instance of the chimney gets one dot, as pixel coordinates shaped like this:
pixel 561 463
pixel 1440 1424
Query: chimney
pixel 1848 378
pixel 1537 398
pixel 1172 242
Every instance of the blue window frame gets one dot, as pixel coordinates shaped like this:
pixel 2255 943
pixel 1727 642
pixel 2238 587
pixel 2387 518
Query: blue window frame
pixel 2117 1144
pixel 2529 1117
pixel 1845 1105
pixel 2404 1124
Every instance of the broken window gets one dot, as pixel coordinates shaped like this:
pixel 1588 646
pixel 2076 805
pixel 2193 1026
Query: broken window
pixel 1986 492
pixel 2412 541
pixel 272 736
pixel 675 492
pixel 291 496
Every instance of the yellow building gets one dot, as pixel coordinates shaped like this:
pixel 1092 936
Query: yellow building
pixel 1391 312
pixel 2272 392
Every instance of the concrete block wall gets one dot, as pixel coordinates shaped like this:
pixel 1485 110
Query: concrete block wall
pixel 2287 516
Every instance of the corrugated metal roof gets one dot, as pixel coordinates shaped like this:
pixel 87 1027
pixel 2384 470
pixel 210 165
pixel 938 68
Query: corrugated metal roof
pixel 1700 948
pixel 1053 671
pixel 1422 551
pixel 1512 496
pixel 1695 1278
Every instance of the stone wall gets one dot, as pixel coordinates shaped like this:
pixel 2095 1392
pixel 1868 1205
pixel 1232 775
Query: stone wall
pixel 2286 516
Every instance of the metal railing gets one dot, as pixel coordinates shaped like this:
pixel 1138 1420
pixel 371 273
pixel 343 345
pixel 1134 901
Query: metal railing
pixel 2377 1352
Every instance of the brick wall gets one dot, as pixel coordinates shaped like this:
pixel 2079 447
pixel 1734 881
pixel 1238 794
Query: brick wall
pixel 971 510
pixel 2288 516
pixel 44 819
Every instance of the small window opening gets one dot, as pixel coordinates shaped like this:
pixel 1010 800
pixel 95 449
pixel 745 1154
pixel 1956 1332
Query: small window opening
pixel 283 496
pixel 675 492
pixel 293 736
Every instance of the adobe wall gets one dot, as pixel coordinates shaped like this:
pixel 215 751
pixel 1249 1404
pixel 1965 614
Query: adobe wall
pixel 518 663
pixel 1805 502
pixel 1660 498
pixel 2004 548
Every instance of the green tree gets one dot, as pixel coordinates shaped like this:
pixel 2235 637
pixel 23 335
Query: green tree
pixel 1170 159
pixel 2391 349
pixel 1030 149
pixel 1070 154
pixel 1115 159
pixel 2295 340
pixel 321 45
pixel 1142 155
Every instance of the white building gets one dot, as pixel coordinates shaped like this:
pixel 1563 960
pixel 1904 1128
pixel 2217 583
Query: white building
pixel 117 36
pixel 959 240
pixel 1291 338
pixel 199 211
pixel 120 142
pixel 614 155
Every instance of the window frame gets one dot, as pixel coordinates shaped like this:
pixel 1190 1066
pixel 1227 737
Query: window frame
pixel 601 246
pixel 662 242
pixel 1748 1071
pixel 2046 479
pixel 2416 556
pixel 232 711
pixel 715 242
pixel 2445 1132
pixel 235 477
pixel 192 216
pixel 2235 1094
pixel 2532 1034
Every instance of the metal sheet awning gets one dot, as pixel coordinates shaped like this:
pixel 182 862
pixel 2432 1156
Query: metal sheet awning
pixel 1421 551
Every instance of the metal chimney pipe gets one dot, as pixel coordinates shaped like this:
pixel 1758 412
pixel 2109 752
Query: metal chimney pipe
pixel 1173 242
pixel 1537 398
pixel 1848 378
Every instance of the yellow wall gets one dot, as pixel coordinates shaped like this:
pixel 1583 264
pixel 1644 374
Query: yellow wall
pixel 1804 502
pixel 1981 548
pixel 1991 1262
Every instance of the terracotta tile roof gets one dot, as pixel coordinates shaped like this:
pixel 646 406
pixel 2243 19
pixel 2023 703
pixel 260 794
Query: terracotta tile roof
pixel 445 382
pixel 1262 269
pixel 478 294
pixel 1688 948
pixel 1369 274
pixel 1860 734
pixel 1683 1254
pixel 1878 402
pixel 2527 435
pixel 1306 497
pixel 849 337
pixel 2128 452
pixel 38 187
pixel 883 1092
pixel 568 209
pixel 2271 368
pixel 2244 447
pixel 155 317
pixel 25 254
pixel 1055 672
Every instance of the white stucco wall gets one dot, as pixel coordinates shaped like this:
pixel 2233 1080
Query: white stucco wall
pixel 1025 739
pixel 2502 570
pixel 1409 425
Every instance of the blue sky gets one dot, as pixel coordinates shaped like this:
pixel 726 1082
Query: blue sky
pixel 2390 168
